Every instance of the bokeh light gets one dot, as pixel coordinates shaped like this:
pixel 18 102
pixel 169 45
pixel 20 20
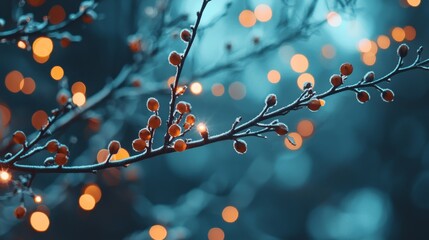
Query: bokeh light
pixel 216 234
pixel 299 63
pixel 274 76
pixel 297 139
pixel 398 34
pixel 334 19
pixel 364 45
pixel 42 47
pixel 196 88
pixel 78 87
pixel 39 119
pixel 304 78
pixel 13 81
pixel 218 89
pixel 230 214
pixel 414 3
pixel 368 58
pixel 410 33
pixel 383 42
pixel 247 18
pixel 28 85
pixel 79 99
pixel 5 115
pixel 328 51
pixel 39 221
pixel 93 190
pixel 56 14
pixel 237 90
pixel 57 73
pixel 158 232
pixel 305 128
pixel 263 13
pixel 87 202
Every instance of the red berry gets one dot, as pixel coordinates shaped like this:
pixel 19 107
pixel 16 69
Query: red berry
pixel 20 212
pixel 174 130
pixel 281 129
pixel 154 122
pixel 19 137
pixel 175 59
pixel 152 104
pixel 139 145
pixel 183 107
pixel 114 147
pixel 314 105
pixel 346 69
pixel 362 96
pixel 190 119
pixel 63 149
pixel 336 80
pixel 180 145
pixel 61 159
pixel 185 35
pixel 52 146
pixel 403 50
pixel 271 100
pixel 144 134
pixel 369 76
pixel 240 146
pixel 387 95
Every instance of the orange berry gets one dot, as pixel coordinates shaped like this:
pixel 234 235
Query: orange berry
pixel 52 146
pixel 152 104
pixel 362 96
pixel 271 100
pixel 336 80
pixel 185 35
pixel 281 129
pixel 403 50
pixel 63 149
pixel 89 17
pixel 19 137
pixel 61 159
pixel 135 45
pixel 139 145
pixel 20 211
pixel 182 107
pixel 190 119
pixel 314 105
pixel 240 146
pixel 180 145
pixel 144 134
pixel 114 147
pixel 175 59
pixel 346 69
pixel 154 122
pixel 174 130
pixel 387 95
pixel 186 126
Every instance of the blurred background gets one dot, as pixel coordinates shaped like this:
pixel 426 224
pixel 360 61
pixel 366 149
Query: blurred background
pixel 359 171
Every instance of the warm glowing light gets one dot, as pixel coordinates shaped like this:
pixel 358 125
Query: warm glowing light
pixel 5 176
pixel 216 234
pixel 369 58
pixel 398 34
pixel 79 99
pixel 37 199
pixel 304 78
pixel 78 87
pixel 237 90
pixel 230 214
pixel 42 47
pixel 274 76
pixel 13 81
pixel 93 190
pixel 39 221
pixel 39 119
pixel 374 47
pixel 297 139
pixel 299 63
pixel 410 33
pixel 56 14
pixel 122 154
pixel 196 88
pixel 247 18
pixel 414 3
pixel 383 42
pixel 102 155
pixel 158 232
pixel 201 127
pixel 22 44
pixel 322 102
pixel 305 128
pixel 87 202
pixel 263 13
pixel 40 60
pixel 328 51
pixel 5 115
pixel 28 85
pixel 334 19
pixel 218 89
pixel 364 45
pixel 57 73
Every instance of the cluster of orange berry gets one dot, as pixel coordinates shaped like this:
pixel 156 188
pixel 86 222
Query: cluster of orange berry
pixel 61 151
pixel 175 58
